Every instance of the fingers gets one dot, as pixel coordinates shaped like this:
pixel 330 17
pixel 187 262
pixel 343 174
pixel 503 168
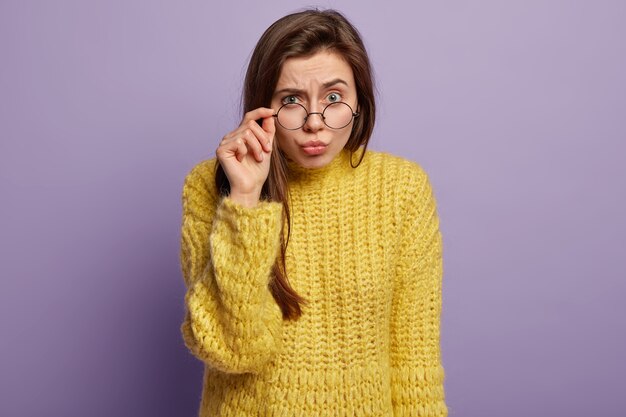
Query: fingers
pixel 256 114
pixel 240 149
pixel 238 144
pixel 265 138
pixel 269 125
pixel 254 140
pixel 249 137
pixel 267 117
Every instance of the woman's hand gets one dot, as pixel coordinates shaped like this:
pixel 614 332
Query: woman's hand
pixel 245 154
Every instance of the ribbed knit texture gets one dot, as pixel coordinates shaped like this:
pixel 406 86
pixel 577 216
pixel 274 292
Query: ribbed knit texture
pixel 365 251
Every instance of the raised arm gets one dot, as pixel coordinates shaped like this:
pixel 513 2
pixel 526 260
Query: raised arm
pixel 417 371
pixel 232 322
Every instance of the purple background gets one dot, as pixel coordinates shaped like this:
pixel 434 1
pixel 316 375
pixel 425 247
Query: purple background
pixel 516 110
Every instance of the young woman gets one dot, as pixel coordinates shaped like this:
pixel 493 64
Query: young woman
pixel 313 266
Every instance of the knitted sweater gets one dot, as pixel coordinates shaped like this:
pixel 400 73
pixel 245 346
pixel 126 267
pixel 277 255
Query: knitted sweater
pixel 366 252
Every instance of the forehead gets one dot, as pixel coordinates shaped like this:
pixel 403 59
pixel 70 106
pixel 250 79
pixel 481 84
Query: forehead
pixel 313 70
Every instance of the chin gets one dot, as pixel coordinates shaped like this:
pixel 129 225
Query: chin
pixel 313 162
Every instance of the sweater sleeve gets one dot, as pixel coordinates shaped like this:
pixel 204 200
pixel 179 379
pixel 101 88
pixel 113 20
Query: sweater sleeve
pixel 232 322
pixel 417 371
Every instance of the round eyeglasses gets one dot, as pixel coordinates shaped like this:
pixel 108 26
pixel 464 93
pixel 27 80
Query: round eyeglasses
pixel 293 116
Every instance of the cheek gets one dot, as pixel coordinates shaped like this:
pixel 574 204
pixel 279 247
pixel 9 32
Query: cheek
pixel 344 136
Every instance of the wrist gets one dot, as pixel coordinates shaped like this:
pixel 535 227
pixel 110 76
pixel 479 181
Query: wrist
pixel 249 200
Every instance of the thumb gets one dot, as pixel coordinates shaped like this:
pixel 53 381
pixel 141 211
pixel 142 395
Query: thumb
pixel 269 125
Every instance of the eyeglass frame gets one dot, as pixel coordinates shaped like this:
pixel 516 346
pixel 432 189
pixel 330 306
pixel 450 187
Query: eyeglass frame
pixel 354 115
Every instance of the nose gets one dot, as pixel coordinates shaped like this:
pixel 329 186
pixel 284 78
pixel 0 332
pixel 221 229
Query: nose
pixel 314 122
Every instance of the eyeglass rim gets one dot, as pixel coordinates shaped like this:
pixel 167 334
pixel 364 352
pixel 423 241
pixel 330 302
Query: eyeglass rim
pixel 354 115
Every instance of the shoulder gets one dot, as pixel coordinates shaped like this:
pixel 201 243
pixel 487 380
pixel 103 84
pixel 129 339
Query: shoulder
pixel 199 189
pixel 202 170
pixel 406 175
pixel 201 175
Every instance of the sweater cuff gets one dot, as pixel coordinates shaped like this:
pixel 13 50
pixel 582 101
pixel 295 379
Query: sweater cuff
pixel 263 209
pixel 418 389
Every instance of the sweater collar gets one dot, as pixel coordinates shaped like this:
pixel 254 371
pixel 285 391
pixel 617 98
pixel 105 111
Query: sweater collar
pixel 338 167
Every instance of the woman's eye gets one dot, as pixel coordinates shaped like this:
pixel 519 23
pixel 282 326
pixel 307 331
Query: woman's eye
pixel 290 100
pixel 333 97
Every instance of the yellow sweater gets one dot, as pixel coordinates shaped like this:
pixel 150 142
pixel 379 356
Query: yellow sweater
pixel 365 251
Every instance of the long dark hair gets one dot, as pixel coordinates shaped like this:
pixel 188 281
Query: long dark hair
pixel 299 35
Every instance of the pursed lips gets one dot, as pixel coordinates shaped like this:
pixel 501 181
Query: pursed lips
pixel 313 144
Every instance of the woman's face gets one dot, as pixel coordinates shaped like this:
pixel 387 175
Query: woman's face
pixel 314 82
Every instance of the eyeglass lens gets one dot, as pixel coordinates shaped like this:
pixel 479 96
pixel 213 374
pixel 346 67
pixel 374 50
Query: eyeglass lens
pixel 293 116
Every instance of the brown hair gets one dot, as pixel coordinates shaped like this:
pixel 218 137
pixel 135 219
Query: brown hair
pixel 299 35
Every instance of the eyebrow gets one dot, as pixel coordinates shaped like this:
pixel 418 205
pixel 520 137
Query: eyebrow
pixel 325 85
